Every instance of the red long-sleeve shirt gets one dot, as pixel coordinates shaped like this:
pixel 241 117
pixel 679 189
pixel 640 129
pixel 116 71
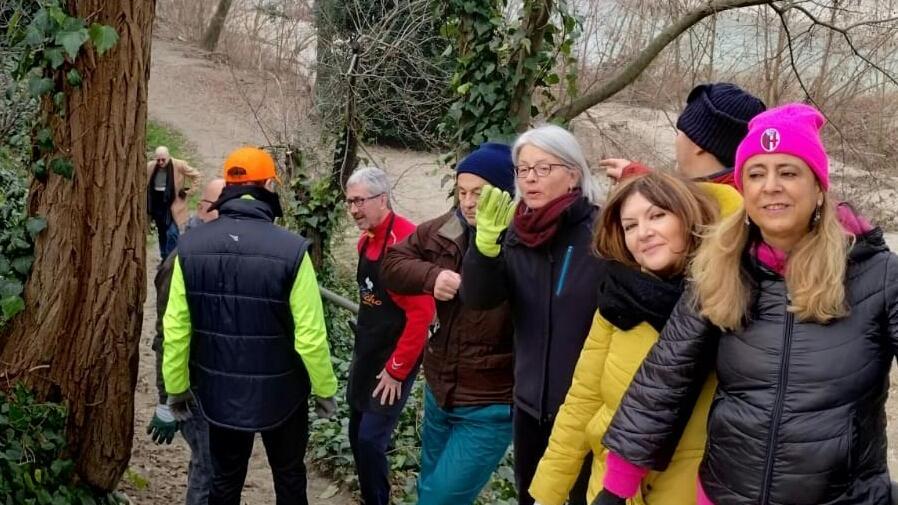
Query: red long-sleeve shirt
pixel 419 309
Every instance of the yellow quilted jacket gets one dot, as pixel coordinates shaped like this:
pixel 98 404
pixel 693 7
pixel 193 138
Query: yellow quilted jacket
pixel 609 360
pixel 607 364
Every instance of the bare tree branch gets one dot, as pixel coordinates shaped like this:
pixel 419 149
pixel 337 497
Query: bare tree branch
pixel 631 71
pixel 846 36
pixel 782 15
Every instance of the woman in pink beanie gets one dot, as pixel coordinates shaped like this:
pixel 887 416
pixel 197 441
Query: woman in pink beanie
pixel 794 303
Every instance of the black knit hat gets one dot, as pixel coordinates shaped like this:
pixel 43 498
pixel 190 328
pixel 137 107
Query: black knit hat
pixel 492 162
pixel 716 118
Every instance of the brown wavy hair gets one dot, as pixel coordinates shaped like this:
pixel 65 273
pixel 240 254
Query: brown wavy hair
pixel 672 193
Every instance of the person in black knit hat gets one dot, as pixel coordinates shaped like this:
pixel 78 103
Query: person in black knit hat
pixel 709 129
pixel 713 123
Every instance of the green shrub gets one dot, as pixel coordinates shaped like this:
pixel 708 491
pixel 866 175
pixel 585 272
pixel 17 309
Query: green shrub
pixel 33 467
pixel 17 231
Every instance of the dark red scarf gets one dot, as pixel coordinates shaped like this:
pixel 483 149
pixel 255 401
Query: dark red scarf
pixel 535 227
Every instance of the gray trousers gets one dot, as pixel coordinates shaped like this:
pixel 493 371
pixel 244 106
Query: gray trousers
pixel 199 474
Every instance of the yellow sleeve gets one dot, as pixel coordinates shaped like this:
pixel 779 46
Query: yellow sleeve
pixel 728 199
pixel 568 445
pixel 177 332
pixel 311 332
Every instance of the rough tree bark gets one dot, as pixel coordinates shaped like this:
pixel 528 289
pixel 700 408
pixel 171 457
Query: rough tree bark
pixel 213 32
pixel 77 340
pixel 631 71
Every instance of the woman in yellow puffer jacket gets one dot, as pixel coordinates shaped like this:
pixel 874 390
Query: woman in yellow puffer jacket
pixel 650 228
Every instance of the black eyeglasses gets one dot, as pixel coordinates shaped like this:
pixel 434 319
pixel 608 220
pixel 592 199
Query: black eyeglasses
pixel 523 171
pixel 358 202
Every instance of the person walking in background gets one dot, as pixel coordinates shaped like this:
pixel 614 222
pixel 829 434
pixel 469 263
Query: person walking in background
pixel 170 181
pixel 795 305
pixel 468 363
pixel 649 230
pixel 390 334
pixel 537 255
pixel 245 334
pixel 164 426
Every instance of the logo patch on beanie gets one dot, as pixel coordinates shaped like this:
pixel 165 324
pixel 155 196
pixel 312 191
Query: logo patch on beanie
pixel 770 139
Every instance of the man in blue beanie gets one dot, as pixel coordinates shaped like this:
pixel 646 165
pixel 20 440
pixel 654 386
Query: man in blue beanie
pixel 468 361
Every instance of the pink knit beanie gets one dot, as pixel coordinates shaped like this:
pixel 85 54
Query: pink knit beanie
pixel 789 129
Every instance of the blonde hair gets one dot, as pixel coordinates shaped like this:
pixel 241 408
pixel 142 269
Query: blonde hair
pixel 682 198
pixel 815 272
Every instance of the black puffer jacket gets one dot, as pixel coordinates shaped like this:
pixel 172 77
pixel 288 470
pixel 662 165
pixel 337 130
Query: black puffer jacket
pixel 799 414
pixel 552 304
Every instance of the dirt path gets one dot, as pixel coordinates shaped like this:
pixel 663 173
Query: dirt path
pixel 191 94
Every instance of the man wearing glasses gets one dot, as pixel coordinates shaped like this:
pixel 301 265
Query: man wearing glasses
pixel 169 181
pixel 390 335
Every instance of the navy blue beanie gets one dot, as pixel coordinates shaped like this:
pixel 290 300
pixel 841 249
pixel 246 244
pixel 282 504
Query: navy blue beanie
pixel 492 162
pixel 716 118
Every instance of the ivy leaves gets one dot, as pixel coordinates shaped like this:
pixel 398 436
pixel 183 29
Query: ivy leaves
pixel 34 468
pixel 495 56
pixel 52 23
pixel 49 45
pixel 17 235
pixel 102 37
pixel 15 262
pixel 71 36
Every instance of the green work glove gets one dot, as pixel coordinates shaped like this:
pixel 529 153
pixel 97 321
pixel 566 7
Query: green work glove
pixel 163 427
pixel 495 210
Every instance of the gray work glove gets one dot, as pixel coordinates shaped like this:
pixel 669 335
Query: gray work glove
pixel 325 408
pixel 180 406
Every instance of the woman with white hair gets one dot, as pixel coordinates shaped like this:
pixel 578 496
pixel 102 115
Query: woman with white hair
pixel 536 253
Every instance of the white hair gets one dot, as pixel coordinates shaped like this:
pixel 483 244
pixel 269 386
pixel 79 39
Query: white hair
pixel 562 144
pixel 163 151
pixel 374 179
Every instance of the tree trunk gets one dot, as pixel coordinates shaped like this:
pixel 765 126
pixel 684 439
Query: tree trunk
pixel 210 38
pixel 77 340
pixel 535 22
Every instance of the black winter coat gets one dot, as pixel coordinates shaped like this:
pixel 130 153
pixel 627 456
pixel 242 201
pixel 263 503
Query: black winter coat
pixel 799 414
pixel 552 304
